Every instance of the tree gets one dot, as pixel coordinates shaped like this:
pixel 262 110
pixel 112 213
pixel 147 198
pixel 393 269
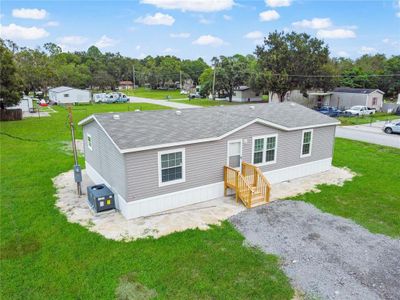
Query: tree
pixel 230 73
pixel 291 61
pixel 52 48
pixel 10 85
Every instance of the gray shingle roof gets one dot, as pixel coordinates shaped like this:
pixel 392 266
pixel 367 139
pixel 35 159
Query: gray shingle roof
pixel 61 89
pixel 150 128
pixel 356 90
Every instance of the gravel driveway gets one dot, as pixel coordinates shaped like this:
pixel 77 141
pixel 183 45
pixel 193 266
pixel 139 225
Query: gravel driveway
pixel 325 256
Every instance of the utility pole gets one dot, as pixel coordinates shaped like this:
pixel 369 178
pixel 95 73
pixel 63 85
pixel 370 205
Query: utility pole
pixel 180 80
pixel 77 168
pixel 213 84
pixel 134 76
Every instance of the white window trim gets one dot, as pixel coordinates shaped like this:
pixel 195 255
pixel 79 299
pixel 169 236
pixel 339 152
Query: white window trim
pixel 302 143
pixel 264 156
pixel 183 179
pixel 90 146
pixel 241 151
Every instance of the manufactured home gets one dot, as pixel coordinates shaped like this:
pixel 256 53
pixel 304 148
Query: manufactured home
pixel 345 98
pixel 69 95
pixel 245 94
pixel 159 160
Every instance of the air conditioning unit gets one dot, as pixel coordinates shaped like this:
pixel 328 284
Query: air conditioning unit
pixel 100 198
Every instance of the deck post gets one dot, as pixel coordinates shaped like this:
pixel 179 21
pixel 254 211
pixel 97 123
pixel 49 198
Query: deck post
pixel 237 186
pixel 225 179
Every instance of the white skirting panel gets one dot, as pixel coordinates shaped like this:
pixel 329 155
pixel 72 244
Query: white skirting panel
pixel 153 205
pixel 298 171
pixel 165 202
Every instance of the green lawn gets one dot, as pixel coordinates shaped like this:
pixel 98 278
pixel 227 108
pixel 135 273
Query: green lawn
pixel 367 119
pixel 372 199
pixel 154 94
pixel 43 256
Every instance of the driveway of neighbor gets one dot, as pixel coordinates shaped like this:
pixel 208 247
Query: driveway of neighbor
pixel 171 104
pixel 371 133
pixel 325 256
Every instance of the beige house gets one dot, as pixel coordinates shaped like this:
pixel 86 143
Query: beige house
pixel 245 94
pixel 125 85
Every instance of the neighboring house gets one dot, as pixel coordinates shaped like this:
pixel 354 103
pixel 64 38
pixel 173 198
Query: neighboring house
pixel 125 85
pixel 314 99
pixel 159 160
pixel 26 104
pixel 245 94
pixel 69 95
pixel 344 98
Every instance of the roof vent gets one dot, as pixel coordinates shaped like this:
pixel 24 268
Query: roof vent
pixel 252 107
pixel 292 104
pixel 221 105
pixel 116 117
pixel 137 110
pixel 178 112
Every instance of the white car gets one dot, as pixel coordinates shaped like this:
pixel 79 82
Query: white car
pixel 391 128
pixel 359 110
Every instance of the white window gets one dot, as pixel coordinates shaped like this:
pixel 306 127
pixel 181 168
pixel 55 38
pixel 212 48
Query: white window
pixel 89 141
pixel 235 153
pixel 265 149
pixel 171 166
pixel 306 143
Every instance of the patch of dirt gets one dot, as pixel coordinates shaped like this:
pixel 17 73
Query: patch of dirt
pixel 130 289
pixel 325 256
pixel 19 247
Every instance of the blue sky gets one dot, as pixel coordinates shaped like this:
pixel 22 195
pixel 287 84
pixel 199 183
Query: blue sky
pixel 201 28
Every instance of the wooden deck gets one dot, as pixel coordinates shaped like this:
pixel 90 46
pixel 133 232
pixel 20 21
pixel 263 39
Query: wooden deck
pixel 249 184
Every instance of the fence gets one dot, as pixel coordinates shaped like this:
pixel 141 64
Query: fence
pixel 10 114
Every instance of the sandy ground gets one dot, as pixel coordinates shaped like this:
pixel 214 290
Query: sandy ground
pixel 326 256
pixel 113 225
pixel 35 115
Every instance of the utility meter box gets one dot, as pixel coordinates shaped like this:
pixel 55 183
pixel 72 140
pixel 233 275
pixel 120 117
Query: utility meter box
pixel 100 197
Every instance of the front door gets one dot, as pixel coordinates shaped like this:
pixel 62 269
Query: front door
pixel 234 153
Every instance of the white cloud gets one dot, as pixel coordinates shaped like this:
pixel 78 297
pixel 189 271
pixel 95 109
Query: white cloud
pixel 192 5
pixel 138 47
pixel 386 41
pixel 157 19
pixel 278 3
pixel 52 24
pixel 29 13
pixel 105 42
pixel 367 50
pixel 72 40
pixel 209 40
pixel 181 35
pixel 315 23
pixel 168 50
pixel 227 17
pixel 336 34
pixel 254 35
pixel 269 15
pixel 16 32
pixel 343 54
pixel 398 14
pixel 205 21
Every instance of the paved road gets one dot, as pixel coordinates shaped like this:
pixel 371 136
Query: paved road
pixel 162 102
pixel 369 133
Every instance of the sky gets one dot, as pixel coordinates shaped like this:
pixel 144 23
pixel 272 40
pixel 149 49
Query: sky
pixel 201 28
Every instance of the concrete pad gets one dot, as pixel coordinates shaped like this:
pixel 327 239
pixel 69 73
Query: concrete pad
pixel 113 225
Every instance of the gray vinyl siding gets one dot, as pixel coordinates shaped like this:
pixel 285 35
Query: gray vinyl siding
pixel 105 158
pixel 347 100
pixel 205 161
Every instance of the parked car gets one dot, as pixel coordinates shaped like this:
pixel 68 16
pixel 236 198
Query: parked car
pixel 391 127
pixel 330 111
pixel 359 110
pixel 194 95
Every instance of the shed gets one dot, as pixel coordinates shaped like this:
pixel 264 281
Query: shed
pixel 176 158
pixel 26 104
pixel 69 95
pixel 345 97
pixel 245 94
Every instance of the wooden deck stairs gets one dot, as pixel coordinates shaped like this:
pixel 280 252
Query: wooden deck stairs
pixel 249 184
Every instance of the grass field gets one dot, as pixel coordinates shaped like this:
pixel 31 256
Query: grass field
pixel 45 257
pixel 345 121
pixel 372 199
pixel 154 94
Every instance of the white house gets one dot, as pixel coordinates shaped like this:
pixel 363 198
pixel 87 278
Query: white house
pixel 245 94
pixel 26 104
pixel 345 98
pixel 66 95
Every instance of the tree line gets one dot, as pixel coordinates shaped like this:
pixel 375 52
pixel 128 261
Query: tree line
pixel 284 62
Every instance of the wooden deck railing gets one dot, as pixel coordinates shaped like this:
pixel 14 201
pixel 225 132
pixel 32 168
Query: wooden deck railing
pixel 249 184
